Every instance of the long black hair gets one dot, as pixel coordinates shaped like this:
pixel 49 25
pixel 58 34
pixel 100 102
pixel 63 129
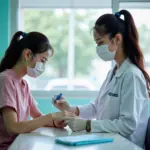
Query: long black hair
pixel 35 41
pixel 113 24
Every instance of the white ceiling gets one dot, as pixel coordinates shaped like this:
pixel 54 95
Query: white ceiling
pixel 82 3
pixel 65 3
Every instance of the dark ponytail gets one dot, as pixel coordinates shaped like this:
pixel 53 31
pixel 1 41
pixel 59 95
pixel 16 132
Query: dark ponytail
pixel 35 41
pixel 113 25
pixel 12 54
pixel 131 45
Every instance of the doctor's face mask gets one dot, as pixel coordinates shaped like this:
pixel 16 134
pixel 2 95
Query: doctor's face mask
pixel 106 48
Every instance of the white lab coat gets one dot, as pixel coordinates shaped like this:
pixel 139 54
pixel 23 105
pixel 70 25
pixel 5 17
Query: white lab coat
pixel 121 105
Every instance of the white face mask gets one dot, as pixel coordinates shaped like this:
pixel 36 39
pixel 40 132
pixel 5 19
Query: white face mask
pixel 37 70
pixel 104 53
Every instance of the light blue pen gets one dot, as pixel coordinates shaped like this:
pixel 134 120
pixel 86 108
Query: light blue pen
pixel 58 96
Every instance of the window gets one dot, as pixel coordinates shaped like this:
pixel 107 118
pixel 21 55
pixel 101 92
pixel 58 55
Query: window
pixel 75 58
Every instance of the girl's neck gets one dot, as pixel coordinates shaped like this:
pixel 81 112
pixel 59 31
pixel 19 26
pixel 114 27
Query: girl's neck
pixel 20 69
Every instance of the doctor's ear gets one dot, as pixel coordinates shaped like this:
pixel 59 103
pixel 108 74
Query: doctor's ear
pixel 117 39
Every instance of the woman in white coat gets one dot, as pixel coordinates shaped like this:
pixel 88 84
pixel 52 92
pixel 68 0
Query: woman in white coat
pixel 122 103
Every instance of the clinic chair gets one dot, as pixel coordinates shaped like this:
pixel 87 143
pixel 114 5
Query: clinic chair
pixel 147 139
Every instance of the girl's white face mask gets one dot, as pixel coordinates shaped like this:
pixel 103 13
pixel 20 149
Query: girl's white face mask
pixel 37 70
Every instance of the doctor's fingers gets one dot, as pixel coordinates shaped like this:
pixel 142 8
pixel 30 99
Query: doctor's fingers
pixel 73 127
pixel 68 121
pixel 54 100
pixel 54 97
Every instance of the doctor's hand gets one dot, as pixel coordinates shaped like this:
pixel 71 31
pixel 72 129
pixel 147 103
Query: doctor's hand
pixel 76 124
pixel 61 104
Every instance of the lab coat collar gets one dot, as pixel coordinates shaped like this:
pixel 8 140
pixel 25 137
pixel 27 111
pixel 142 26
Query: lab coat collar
pixel 109 84
pixel 123 68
